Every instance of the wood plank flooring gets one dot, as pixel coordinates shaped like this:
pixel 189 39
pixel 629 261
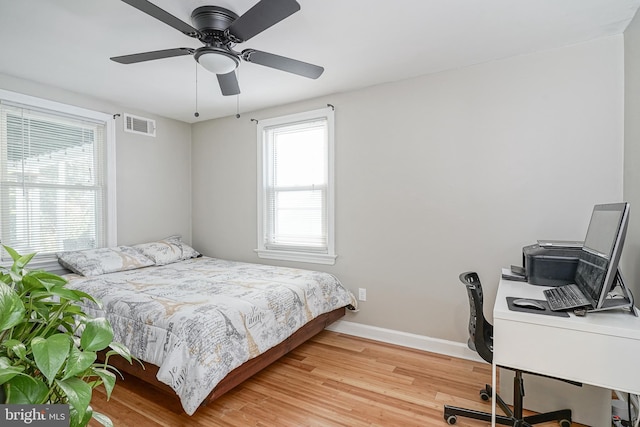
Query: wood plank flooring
pixel 332 380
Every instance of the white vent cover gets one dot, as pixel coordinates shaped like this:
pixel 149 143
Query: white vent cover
pixel 139 125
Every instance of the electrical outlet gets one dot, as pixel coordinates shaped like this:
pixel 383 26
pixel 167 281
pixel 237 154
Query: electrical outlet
pixel 362 294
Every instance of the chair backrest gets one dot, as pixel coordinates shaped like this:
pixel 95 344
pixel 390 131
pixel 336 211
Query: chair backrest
pixel 480 331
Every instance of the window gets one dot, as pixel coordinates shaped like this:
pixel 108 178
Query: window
pixel 55 165
pixel 295 187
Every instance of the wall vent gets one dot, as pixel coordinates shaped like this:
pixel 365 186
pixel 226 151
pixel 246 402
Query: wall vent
pixel 139 125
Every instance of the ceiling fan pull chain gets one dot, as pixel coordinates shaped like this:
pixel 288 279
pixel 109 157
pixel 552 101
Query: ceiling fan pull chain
pixel 238 95
pixel 196 113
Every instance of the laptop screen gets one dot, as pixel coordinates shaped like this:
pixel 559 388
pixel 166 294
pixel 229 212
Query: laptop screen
pixel 590 275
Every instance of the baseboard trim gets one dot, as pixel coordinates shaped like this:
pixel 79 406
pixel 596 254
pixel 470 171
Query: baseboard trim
pixel 419 342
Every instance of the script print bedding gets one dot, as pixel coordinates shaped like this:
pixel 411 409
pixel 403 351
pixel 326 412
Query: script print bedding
pixel 201 318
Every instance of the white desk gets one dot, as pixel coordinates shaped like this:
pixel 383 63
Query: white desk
pixel 600 349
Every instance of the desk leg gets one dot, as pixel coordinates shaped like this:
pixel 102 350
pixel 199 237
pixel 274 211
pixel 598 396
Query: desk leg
pixel 493 394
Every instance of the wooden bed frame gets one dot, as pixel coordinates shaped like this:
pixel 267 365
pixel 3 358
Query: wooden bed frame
pixel 242 372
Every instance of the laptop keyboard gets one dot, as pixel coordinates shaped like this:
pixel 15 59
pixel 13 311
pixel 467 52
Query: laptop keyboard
pixel 565 297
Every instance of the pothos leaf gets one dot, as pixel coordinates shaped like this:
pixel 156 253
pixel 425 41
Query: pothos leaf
pixel 50 354
pixel 78 392
pixel 24 389
pixel 97 334
pixel 11 307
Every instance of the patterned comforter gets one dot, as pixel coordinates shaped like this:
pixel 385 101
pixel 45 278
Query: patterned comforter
pixel 201 318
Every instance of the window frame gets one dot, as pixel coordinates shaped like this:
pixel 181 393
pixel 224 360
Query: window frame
pixel 50 262
pixel 298 255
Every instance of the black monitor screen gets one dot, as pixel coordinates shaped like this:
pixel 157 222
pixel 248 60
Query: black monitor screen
pixel 600 254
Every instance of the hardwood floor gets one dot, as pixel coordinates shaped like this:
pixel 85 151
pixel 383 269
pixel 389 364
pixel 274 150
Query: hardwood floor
pixel 332 380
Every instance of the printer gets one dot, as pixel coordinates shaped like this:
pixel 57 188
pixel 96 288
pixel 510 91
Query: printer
pixel 551 262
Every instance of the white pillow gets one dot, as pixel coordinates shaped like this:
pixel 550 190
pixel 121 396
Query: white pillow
pixel 94 262
pixel 166 251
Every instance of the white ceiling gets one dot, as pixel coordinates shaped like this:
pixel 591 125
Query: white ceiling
pixel 68 43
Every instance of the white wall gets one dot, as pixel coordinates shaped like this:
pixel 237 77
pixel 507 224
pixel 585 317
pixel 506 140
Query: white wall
pixel 437 175
pixel 631 252
pixel 153 174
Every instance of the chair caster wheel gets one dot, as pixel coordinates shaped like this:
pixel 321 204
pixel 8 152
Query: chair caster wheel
pixel 484 395
pixel 565 423
pixel 451 419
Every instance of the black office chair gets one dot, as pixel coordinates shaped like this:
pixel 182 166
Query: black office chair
pixel 481 340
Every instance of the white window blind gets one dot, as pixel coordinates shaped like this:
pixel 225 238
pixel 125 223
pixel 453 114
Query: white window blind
pixel 296 194
pixel 52 181
pixel 296 187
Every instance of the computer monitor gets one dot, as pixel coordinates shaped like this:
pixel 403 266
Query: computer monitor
pixel 598 263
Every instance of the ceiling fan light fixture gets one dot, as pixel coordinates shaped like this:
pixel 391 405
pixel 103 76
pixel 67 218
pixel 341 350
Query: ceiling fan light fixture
pixel 216 60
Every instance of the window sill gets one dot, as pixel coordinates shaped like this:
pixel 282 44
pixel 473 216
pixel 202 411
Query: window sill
pixel 297 256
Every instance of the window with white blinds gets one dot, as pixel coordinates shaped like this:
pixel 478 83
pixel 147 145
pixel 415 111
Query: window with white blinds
pixel 53 179
pixel 296 187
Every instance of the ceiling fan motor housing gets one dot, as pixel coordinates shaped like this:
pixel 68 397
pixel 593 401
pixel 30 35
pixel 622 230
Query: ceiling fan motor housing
pixel 212 18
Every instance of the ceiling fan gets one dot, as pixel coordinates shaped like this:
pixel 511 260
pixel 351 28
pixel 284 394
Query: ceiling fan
pixel 220 29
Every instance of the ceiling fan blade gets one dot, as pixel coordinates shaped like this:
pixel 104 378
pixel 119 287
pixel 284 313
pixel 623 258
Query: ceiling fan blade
pixel 282 63
pixel 262 16
pixel 164 16
pixel 228 83
pixel 149 56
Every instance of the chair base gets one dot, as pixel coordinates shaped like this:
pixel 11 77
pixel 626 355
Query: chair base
pixel 451 413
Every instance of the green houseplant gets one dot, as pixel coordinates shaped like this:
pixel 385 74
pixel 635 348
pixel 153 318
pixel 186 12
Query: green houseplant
pixel 48 346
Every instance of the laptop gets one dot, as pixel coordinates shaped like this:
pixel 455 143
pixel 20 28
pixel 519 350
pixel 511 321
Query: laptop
pixel 597 269
pixel 567 297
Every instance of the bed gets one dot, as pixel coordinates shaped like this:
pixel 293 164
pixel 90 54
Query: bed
pixel 203 325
